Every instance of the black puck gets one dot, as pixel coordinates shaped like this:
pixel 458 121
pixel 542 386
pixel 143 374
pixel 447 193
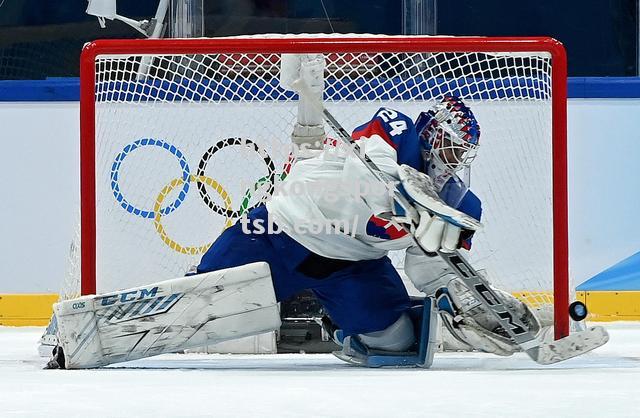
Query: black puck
pixel 578 311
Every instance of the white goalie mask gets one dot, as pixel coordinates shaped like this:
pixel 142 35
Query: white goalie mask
pixel 449 135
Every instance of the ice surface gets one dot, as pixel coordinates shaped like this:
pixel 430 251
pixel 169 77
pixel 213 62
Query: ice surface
pixel 604 383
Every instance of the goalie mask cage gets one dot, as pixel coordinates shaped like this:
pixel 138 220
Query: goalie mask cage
pixel 177 135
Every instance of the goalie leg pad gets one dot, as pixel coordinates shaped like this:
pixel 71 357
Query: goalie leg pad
pixel 470 322
pixel 167 317
pixel 465 334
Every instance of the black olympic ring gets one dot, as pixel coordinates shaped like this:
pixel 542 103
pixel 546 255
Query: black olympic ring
pixel 227 142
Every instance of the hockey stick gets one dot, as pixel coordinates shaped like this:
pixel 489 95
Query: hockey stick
pixel 540 351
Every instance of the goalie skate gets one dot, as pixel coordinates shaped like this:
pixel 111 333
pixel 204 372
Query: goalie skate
pixel 355 352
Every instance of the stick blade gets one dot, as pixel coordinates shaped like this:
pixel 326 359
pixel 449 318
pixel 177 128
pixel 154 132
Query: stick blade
pixel 573 345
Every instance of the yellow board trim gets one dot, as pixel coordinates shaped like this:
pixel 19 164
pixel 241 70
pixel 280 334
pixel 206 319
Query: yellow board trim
pixel 611 305
pixel 26 309
pixel 36 309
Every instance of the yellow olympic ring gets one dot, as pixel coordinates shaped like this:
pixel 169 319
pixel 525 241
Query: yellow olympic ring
pixel 166 190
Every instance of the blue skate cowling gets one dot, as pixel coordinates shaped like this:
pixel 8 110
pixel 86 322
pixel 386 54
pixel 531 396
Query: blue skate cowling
pixel 425 318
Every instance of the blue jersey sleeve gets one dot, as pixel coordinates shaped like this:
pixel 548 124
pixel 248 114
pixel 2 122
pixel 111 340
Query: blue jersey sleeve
pixel 471 205
pixel 398 130
pixel 456 194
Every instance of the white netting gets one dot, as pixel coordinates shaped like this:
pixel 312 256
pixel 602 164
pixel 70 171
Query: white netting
pixel 181 141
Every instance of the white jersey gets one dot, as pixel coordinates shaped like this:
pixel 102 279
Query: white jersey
pixel 331 204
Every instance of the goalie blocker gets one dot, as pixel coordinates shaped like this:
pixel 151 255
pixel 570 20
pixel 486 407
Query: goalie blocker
pixel 165 317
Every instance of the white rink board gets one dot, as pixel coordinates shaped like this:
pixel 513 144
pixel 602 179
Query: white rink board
pixel 514 183
pixel 601 182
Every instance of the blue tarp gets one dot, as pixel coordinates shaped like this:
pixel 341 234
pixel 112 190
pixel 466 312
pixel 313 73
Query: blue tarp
pixel 622 276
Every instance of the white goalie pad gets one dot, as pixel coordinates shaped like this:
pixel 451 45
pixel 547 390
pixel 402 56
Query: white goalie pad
pixel 167 317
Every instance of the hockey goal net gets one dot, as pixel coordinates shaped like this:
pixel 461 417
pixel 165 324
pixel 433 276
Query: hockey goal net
pixel 178 134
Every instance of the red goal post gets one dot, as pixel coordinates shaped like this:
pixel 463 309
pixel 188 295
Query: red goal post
pixel 271 46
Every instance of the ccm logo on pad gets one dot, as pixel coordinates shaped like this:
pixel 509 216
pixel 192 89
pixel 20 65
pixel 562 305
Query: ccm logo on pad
pixel 129 296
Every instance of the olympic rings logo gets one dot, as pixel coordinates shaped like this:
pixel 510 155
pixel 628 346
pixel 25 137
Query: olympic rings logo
pixel 183 182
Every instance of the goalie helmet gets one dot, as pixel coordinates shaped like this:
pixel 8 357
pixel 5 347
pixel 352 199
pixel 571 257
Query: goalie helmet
pixel 449 135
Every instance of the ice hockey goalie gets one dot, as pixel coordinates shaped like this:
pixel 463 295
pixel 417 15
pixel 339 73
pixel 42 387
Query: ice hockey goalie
pixel 327 228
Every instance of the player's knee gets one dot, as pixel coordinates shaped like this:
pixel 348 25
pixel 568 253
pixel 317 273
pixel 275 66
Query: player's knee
pixel 398 336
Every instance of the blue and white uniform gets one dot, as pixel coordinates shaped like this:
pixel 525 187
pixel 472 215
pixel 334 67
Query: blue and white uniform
pixel 341 252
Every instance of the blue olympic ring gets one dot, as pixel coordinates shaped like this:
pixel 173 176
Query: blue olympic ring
pixel 149 214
